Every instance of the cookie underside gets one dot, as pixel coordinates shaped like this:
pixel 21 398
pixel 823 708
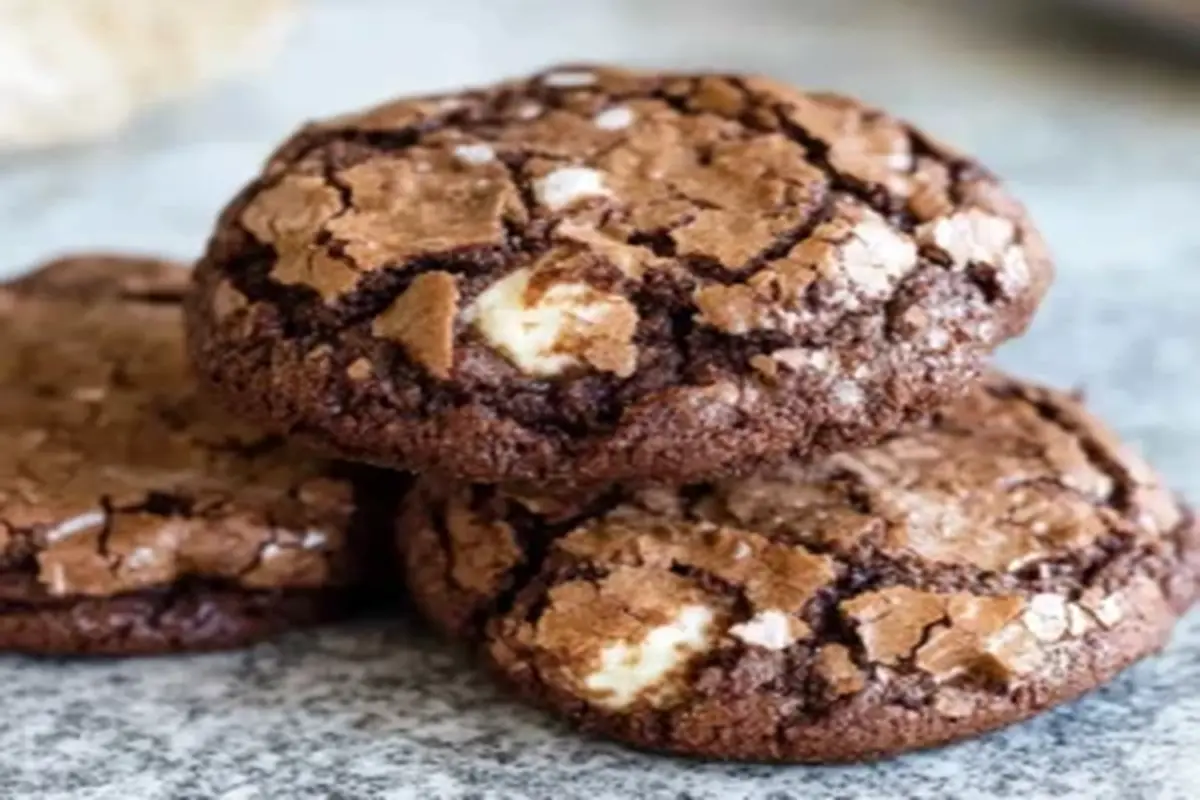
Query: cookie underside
pixel 187 617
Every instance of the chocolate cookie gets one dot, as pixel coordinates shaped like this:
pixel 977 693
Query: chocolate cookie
pixel 1010 556
pixel 104 276
pixel 595 274
pixel 134 518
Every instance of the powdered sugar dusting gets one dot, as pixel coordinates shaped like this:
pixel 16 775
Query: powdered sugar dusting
pixel 1047 617
pixel 849 394
pixel 876 257
pixel 977 237
pixel 1014 273
pixel 800 358
pixel 972 236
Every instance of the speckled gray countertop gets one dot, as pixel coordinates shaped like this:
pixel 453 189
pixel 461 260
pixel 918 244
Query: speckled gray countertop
pixel 1102 137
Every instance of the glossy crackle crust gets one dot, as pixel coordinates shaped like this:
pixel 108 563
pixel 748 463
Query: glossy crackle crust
pixel 135 516
pixel 1010 555
pixel 596 274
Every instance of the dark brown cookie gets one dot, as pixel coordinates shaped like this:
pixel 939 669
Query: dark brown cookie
pixel 596 274
pixel 134 518
pixel 1010 556
pixel 105 276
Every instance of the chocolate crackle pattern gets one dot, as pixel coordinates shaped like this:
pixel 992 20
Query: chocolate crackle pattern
pixel 134 517
pixel 1009 556
pixel 595 274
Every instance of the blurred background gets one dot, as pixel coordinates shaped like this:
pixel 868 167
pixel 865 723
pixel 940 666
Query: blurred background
pixel 128 123
pixel 1094 115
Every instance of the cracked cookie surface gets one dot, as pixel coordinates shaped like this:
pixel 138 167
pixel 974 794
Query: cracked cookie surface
pixel 595 274
pixel 1007 557
pixel 134 517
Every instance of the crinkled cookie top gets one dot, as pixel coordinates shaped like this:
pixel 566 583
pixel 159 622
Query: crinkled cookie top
pixel 961 552
pixel 117 476
pixel 525 221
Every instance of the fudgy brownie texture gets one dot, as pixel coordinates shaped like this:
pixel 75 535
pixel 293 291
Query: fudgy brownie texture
pixel 135 517
pixel 947 581
pixel 595 274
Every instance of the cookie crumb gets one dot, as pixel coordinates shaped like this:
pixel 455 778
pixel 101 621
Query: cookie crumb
pixel 359 370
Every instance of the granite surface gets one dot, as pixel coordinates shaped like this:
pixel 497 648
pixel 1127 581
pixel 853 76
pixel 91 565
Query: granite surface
pixel 1097 131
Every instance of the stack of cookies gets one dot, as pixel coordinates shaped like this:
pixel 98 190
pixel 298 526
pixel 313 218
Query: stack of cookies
pixel 692 374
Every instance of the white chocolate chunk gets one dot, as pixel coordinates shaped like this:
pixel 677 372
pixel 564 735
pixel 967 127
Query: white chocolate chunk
pixel 475 153
pixel 313 540
pixel 848 394
pixel 565 185
pixel 70 527
pixel 1046 617
pixel 614 119
pixel 627 670
pixel 530 328
pixel 771 629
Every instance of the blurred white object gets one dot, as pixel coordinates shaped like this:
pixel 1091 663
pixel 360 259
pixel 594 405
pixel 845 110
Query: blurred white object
pixel 76 69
